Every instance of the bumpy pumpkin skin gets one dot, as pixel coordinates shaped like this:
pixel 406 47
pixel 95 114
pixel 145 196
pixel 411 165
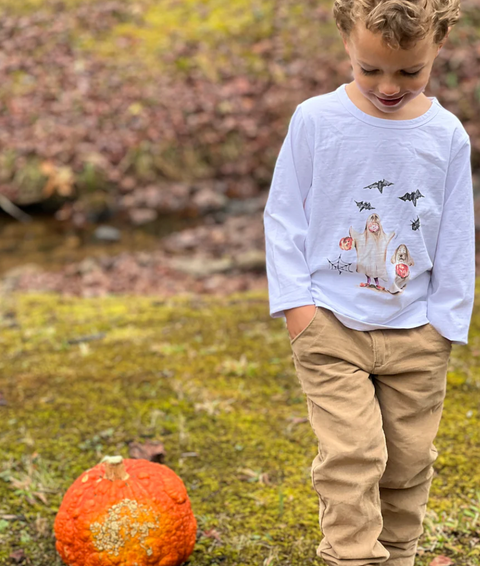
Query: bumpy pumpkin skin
pixel 145 520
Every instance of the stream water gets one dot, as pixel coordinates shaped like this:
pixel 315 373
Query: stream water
pixel 53 244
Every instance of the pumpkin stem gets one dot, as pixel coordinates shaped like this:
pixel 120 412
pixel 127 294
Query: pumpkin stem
pixel 115 468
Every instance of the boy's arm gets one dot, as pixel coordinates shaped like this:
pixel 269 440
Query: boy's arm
pixel 288 275
pixel 452 284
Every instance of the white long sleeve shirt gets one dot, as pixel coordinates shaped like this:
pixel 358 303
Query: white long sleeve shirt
pixel 373 218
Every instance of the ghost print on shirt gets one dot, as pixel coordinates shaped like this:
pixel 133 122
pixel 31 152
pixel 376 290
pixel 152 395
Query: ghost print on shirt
pixel 371 245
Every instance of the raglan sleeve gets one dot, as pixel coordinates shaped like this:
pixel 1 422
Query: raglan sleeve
pixel 285 222
pixel 452 283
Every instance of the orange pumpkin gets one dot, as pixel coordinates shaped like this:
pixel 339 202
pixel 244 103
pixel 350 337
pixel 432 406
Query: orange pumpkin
pixel 125 513
pixel 402 270
pixel 346 243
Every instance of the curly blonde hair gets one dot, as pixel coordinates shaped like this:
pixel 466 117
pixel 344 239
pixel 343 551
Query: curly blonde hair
pixel 401 22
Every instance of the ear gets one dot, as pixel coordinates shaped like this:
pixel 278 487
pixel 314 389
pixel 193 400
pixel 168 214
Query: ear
pixel 393 256
pixel 345 41
pixel 444 40
pixel 409 259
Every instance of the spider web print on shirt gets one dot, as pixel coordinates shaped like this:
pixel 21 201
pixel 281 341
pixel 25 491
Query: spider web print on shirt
pixel 340 266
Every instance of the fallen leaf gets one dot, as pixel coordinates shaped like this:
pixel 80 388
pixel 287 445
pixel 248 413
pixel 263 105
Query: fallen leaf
pixel 441 560
pixel 41 496
pixel 18 555
pixel 212 533
pixel 298 420
pixel 153 451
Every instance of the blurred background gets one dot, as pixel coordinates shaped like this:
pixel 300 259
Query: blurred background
pixel 138 138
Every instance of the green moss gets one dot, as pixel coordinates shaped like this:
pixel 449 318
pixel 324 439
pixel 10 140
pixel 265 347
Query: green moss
pixel 31 181
pixel 213 379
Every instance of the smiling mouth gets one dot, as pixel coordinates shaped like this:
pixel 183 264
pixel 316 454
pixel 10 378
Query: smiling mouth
pixel 390 99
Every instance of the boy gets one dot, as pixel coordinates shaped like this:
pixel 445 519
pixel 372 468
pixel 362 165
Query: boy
pixel 369 235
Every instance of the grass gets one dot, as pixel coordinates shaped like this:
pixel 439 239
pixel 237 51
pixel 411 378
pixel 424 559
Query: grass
pixel 214 380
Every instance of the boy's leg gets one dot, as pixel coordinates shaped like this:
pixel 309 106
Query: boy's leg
pixel 411 401
pixel 332 364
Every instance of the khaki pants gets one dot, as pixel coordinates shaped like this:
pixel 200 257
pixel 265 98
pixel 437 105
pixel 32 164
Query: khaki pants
pixel 374 402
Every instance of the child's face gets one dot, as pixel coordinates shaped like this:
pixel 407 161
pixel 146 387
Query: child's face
pixel 398 75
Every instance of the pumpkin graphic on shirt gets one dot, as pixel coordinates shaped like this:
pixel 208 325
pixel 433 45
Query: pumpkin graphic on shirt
pixel 401 269
pixel 346 243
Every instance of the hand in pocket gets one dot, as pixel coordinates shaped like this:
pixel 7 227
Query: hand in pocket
pixel 298 319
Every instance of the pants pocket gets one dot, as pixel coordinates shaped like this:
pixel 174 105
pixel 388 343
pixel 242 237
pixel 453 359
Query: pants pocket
pixel 294 339
pixel 446 341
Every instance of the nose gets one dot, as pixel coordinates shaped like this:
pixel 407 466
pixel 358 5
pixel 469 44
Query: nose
pixel 389 89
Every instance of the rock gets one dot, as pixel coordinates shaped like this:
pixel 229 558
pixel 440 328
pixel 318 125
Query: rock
pixel 17 272
pixel 86 266
pixel 251 260
pixel 242 188
pixel 11 278
pixel 107 233
pixel 140 216
pixel 201 266
pixel 207 200
pixel 128 184
pixel 183 240
pixel 97 207
pixel 246 206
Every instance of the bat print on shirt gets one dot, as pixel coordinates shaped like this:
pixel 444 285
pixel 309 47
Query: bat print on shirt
pixel 380 185
pixel 412 197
